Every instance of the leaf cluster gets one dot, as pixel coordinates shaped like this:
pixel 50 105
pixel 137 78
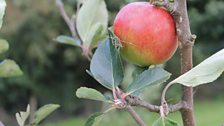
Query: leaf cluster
pixel 39 115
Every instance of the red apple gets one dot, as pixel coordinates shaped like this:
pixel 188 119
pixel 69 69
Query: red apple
pixel 147 33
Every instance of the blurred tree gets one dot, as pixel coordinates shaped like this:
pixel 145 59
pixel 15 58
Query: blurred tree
pixel 52 72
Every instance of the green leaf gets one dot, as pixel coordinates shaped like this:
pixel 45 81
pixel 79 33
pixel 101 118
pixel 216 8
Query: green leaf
pixel 81 1
pixel 94 34
pixel 43 112
pixel 116 63
pixel 68 40
pixel 93 118
pixel 205 72
pixel 2 11
pixel 165 122
pixel 106 66
pixel 21 117
pixel 9 68
pixel 138 70
pixel 92 17
pixel 89 93
pixel 149 77
pixel 4 46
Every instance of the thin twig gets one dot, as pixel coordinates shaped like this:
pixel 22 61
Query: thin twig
pixel 119 95
pixel 135 101
pixel 135 116
pixel 164 106
pixel 163 96
pixel 176 107
pixel 69 21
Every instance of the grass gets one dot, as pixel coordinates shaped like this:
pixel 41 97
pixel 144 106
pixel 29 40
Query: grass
pixel 207 114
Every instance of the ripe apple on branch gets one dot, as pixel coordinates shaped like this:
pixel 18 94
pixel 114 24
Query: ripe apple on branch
pixel 146 32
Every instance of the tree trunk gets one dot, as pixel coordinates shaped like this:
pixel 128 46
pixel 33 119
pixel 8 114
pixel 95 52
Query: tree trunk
pixel 186 41
pixel 186 64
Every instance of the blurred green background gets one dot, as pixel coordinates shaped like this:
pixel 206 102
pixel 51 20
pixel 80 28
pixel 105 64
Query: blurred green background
pixel 52 71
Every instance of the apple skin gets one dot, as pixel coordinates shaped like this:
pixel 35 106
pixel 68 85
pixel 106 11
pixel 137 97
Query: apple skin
pixel 147 33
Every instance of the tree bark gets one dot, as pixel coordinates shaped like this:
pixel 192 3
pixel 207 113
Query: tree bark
pixel 186 64
pixel 186 41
